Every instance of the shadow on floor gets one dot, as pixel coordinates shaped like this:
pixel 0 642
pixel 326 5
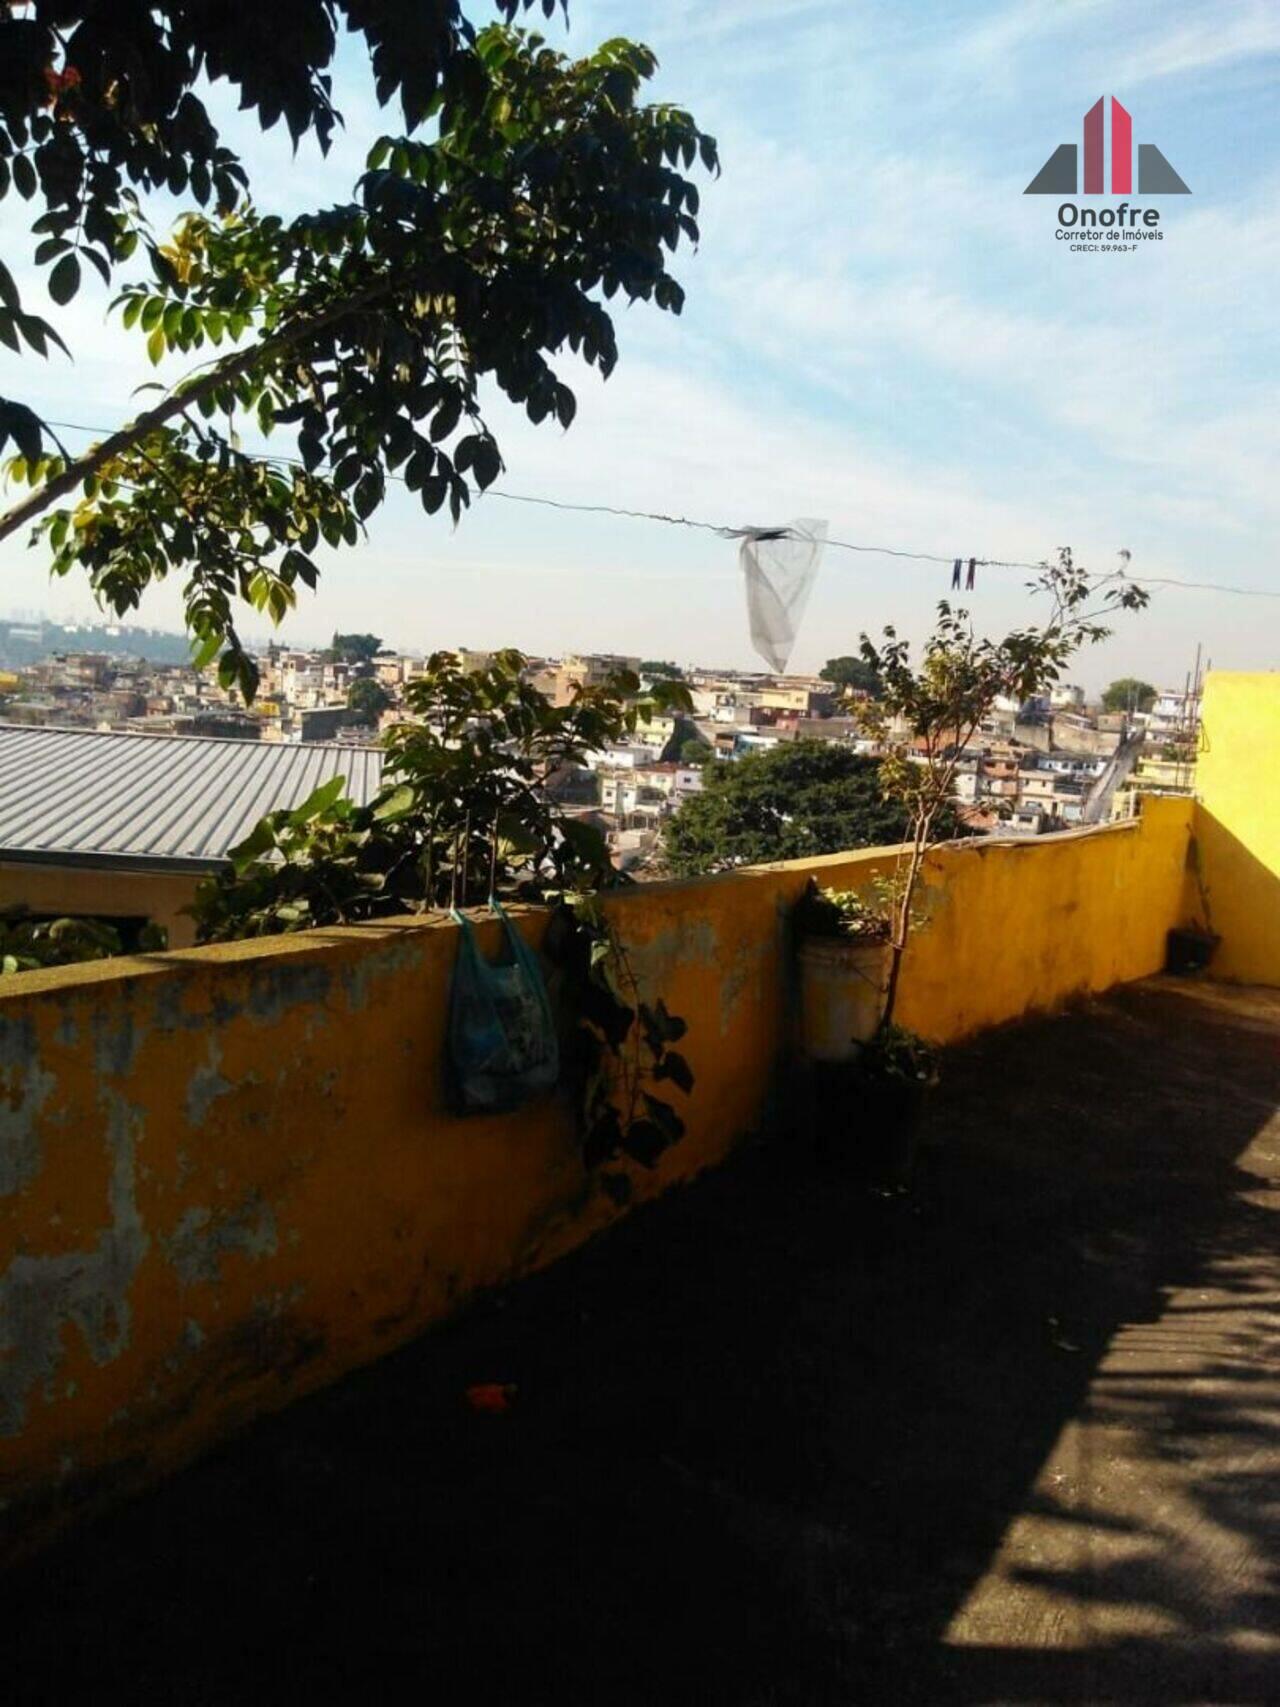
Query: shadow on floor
pixel 772 1436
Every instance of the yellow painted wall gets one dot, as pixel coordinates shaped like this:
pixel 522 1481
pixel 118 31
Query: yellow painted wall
pixel 102 892
pixel 1019 928
pixel 228 1174
pixel 1237 822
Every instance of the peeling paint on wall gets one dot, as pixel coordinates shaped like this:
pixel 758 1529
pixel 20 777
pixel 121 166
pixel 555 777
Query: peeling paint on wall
pixel 206 1085
pixel 360 977
pixel 742 977
pixel 115 1040
pixel 275 990
pixel 40 1297
pixel 203 1237
pixel 25 1087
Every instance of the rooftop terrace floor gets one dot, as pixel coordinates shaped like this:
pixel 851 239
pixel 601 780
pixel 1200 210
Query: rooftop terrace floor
pixel 777 1441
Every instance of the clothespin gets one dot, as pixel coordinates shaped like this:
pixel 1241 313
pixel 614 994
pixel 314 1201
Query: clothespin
pixel 955 574
pixel 973 563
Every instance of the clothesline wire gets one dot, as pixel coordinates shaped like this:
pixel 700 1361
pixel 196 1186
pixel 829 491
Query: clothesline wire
pixel 723 531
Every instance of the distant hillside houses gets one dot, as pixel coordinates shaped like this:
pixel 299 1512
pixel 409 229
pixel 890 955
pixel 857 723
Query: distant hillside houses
pixel 1035 766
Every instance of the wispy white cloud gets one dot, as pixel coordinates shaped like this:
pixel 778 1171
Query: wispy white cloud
pixel 1128 45
pixel 1217 36
pixel 880 330
pixel 994 41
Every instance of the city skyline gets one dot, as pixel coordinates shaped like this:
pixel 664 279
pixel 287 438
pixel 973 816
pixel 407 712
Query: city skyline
pixel 392 646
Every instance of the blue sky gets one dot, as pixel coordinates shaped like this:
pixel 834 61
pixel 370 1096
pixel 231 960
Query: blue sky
pixel 880 330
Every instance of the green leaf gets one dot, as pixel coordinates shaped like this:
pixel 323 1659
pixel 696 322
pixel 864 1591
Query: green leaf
pixel 487 462
pixel 64 280
pixel 156 345
pixel 205 651
pixel 23 426
pixel 260 840
pixel 673 1066
pixel 586 842
pixel 644 1141
pixel 320 800
pixel 397 804
pixel 664 1117
pixel 163 268
pixel 671 1026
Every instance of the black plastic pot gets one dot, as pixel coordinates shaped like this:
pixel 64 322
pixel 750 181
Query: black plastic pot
pixel 1189 950
pixel 889 1115
pixel 865 1126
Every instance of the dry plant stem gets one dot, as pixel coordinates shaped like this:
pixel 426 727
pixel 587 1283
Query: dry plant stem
pixel 902 913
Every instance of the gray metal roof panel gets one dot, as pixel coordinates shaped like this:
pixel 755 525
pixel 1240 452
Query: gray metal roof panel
pixel 83 791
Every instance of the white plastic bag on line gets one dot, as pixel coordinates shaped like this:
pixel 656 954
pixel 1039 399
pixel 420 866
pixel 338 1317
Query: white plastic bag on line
pixel 779 566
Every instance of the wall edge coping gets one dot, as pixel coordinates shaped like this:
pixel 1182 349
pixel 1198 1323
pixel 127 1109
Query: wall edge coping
pixel 323 939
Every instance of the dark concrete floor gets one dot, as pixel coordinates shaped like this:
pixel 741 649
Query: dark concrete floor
pixel 779 1441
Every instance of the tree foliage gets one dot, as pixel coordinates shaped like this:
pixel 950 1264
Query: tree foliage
pixel 354 648
pixel 369 698
pixel 481 243
pixel 1129 693
pixel 793 802
pixel 619 1057
pixel 851 672
pixel 464 814
pixel 464 811
pixel 943 698
pixel 27 943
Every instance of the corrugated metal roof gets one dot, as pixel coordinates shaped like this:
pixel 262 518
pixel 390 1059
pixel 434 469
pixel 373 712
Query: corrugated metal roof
pixel 81 793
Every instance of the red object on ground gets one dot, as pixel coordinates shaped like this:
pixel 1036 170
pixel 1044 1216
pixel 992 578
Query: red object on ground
pixel 495 1397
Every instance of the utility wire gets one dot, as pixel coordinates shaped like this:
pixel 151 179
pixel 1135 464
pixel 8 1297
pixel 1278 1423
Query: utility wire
pixel 723 531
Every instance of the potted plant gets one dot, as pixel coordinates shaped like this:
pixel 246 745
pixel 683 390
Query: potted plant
pixel 925 714
pixel 896 1071
pixel 844 946
pixel 858 1060
pixel 929 710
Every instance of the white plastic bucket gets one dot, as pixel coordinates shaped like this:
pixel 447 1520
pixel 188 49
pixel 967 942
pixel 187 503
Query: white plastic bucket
pixel 843 983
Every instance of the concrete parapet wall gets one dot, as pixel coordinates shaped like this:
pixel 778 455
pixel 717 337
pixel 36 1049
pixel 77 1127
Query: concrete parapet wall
pixel 229 1174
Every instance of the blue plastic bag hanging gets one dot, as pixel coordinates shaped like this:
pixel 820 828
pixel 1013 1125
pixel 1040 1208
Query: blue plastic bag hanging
pixel 502 1037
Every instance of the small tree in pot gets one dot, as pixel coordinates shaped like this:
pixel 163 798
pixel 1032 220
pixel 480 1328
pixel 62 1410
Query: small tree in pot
pixel 925 715
pixel 845 954
pixel 929 712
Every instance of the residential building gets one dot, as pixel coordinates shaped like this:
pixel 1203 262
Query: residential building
pixel 558 680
